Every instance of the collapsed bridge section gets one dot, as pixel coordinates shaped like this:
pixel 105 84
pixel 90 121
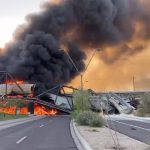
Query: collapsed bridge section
pixel 52 101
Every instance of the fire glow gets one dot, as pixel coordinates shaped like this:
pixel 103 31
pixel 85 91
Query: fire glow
pixel 13 82
pixel 120 28
pixel 41 110
pixel 38 110
pixel 13 110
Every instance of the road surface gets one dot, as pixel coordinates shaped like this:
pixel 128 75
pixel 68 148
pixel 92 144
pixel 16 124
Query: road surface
pixel 137 129
pixel 50 133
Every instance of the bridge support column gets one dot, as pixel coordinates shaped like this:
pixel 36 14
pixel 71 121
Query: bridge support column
pixel 31 107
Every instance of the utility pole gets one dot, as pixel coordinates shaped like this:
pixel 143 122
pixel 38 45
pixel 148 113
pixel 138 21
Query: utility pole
pixel 133 83
pixel 81 82
pixel 82 91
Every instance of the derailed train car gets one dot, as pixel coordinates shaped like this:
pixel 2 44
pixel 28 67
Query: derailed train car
pixel 16 89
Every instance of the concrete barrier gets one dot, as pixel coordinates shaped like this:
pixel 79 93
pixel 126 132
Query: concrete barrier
pixel 78 139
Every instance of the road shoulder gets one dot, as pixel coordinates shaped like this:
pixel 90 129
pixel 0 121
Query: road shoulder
pixel 14 122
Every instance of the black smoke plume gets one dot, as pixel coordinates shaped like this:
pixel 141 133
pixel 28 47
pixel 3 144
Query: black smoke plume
pixel 75 25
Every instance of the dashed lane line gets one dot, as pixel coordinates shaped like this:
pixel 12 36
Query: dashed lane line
pixel 22 139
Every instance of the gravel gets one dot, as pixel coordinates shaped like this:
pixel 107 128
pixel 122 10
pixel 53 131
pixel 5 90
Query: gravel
pixel 101 139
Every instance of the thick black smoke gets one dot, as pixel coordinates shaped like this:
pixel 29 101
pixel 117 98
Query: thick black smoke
pixel 36 55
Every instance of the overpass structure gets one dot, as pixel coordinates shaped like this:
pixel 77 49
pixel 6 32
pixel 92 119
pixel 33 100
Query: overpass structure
pixel 62 103
pixel 128 94
pixel 63 109
pixel 111 103
pixel 54 98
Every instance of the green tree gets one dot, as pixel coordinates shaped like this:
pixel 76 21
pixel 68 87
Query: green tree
pixel 144 107
pixel 16 103
pixel 81 100
pixel 1 105
pixel 11 103
pixel 21 104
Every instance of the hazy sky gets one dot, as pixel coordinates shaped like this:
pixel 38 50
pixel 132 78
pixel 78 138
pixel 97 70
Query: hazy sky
pixel 12 13
pixel 108 77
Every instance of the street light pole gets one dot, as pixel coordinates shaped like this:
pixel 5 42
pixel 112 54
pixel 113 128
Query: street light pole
pixel 90 60
pixel 82 74
pixel 96 50
pixel 73 62
pixel 133 83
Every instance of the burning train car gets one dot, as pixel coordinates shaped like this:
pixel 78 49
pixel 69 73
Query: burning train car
pixel 49 104
pixel 16 88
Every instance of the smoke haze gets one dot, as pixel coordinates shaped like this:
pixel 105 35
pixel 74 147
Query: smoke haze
pixel 119 27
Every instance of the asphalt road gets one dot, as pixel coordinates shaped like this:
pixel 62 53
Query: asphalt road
pixel 133 128
pixel 50 133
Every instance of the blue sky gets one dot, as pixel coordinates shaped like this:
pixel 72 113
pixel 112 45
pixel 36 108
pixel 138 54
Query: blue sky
pixel 12 13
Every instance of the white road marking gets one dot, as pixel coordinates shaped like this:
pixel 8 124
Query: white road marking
pixel 41 126
pixel 19 141
pixel 132 125
pixel 130 117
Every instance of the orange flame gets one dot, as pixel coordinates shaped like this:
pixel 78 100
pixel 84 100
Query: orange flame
pixel 13 110
pixel 38 110
pixel 17 81
pixel 23 111
pixel 41 110
pixel 8 110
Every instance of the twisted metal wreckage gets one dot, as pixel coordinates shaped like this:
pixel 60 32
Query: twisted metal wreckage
pixel 57 98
